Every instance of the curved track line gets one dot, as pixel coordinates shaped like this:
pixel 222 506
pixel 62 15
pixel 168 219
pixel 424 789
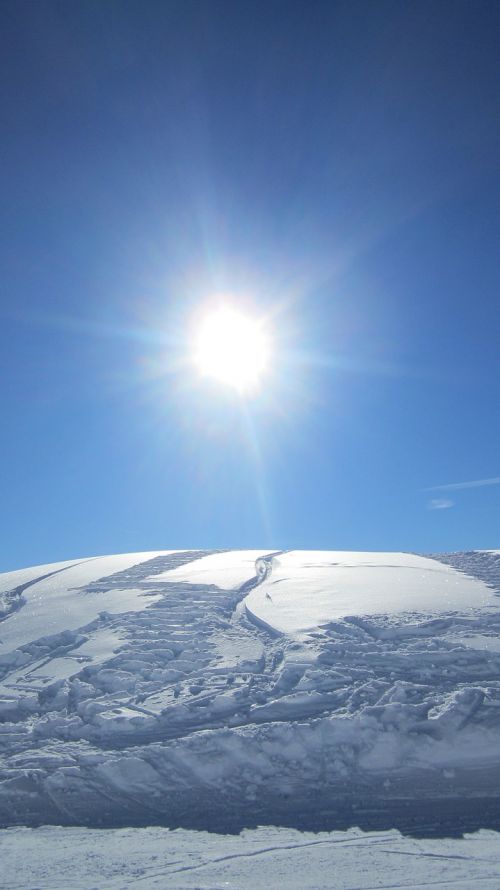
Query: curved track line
pixel 18 591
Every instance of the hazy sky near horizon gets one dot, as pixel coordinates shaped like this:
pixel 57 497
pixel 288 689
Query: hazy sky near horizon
pixel 333 168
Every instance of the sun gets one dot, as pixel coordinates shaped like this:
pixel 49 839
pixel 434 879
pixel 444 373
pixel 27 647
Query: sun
pixel 232 347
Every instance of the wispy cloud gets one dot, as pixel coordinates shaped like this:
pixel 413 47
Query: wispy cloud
pixel 456 486
pixel 440 504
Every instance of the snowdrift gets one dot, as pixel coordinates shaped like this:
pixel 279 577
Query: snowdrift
pixel 227 689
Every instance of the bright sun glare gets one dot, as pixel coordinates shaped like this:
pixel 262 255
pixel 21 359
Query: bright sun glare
pixel 232 348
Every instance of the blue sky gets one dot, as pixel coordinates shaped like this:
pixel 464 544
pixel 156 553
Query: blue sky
pixel 332 166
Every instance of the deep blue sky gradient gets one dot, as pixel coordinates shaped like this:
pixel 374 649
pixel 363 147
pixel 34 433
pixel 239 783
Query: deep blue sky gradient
pixel 333 165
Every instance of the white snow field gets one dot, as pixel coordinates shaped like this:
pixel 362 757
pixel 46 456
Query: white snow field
pixel 221 691
pixel 265 858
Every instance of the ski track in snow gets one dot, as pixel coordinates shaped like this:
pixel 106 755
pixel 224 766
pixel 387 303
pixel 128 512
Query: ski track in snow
pixel 184 712
pixel 84 859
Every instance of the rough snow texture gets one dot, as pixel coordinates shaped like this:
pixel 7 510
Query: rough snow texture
pixel 177 704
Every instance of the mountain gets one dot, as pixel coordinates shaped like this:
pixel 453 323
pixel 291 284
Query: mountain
pixel 222 690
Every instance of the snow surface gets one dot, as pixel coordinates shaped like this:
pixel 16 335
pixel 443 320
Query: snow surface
pixel 54 602
pixel 310 588
pixel 13 580
pixel 227 570
pixel 49 858
pixel 221 691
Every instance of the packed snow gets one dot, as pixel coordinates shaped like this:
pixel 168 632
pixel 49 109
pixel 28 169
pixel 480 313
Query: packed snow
pixel 223 690
pixel 52 858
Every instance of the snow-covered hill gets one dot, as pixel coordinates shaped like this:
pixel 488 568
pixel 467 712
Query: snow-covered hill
pixel 227 689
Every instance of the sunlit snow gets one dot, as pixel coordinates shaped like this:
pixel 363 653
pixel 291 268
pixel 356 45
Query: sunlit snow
pixel 222 690
pixel 310 588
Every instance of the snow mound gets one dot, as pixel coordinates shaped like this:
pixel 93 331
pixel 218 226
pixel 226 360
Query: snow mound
pixel 310 588
pixel 227 689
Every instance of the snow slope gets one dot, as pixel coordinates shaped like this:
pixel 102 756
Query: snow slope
pixel 229 689
pixel 309 588
pixel 52 600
